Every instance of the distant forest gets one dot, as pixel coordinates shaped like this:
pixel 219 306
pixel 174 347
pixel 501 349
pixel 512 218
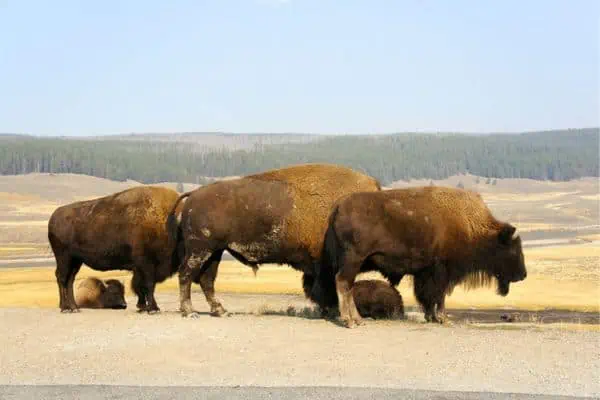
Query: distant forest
pixel 550 155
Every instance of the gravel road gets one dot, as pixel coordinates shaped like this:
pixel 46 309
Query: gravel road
pixel 102 347
pixel 93 392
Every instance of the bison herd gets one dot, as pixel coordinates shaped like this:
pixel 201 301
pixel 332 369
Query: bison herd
pixel 327 221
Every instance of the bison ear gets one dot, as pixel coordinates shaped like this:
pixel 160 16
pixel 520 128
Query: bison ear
pixel 505 236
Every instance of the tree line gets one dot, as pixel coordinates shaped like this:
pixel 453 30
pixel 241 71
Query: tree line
pixel 551 155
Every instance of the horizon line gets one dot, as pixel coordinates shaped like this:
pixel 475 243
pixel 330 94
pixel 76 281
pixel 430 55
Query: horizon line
pixel 202 132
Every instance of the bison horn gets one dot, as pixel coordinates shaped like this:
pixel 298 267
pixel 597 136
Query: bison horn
pixel 515 234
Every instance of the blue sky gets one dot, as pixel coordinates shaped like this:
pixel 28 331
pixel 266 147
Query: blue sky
pixel 322 66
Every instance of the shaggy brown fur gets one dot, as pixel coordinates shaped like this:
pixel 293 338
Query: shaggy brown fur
pixel 94 293
pixel 441 236
pixel 278 216
pixel 123 231
pixel 378 300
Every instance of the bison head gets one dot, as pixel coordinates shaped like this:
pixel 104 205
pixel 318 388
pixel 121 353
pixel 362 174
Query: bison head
pixel 509 265
pixel 114 295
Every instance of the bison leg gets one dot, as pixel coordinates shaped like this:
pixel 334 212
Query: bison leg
pixel 186 271
pixel 66 270
pixel 207 282
pixel 429 293
pixel 441 309
pixel 149 284
pixel 308 282
pixel 344 280
pixel 138 289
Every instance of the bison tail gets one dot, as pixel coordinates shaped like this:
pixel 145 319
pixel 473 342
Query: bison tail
pixel 324 289
pixel 172 223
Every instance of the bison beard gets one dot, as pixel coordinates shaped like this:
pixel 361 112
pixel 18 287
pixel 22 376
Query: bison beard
pixel 440 236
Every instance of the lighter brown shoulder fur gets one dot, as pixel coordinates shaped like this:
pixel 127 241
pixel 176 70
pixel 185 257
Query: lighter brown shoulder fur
pixel 315 187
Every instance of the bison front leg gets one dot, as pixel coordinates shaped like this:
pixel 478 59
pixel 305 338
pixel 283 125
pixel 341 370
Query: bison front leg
pixel 429 292
pixel 207 282
pixel 150 284
pixel 186 271
pixel 441 310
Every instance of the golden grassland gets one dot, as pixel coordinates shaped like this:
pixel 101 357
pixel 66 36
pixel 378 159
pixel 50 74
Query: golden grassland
pixel 562 277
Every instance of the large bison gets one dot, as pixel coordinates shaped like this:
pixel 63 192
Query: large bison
pixel 279 216
pixel 378 300
pixel 123 231
pixel 441 236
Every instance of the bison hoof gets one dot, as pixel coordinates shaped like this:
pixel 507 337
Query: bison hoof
pixel 219 312
pixel 69 310
pixel 439 319
pixel 352 323
pixel 155 311
pixel 193 315
pixel 401 317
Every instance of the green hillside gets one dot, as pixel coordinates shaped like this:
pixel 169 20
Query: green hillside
pixel 554 155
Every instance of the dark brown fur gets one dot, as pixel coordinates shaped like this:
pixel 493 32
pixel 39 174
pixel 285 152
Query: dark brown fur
pixel 378 300
pixel 278 216
pixel 123 231
pixel 94 293
pixel 441 236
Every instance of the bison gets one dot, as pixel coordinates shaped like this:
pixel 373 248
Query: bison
pixel 94 293
pixel 378 300
pixel 122 231
pixel 441 236
pixel 278 216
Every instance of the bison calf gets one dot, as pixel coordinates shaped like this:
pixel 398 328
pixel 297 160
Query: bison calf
pixel 378 300
pixel 94 293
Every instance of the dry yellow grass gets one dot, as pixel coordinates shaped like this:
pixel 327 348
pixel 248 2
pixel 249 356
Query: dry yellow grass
pixel 591 238
pixel 25 223
pixel 562 326
pixel 563 252
pixel 565 277
pixel 36 287
pixel 591 197
pixel 518 196
pixel 16 250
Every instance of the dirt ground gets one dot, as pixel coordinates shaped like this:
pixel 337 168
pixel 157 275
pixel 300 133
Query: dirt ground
pixel 43 346
pixel 273 337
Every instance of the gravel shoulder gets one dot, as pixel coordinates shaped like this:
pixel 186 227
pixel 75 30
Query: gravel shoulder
pixel 101 347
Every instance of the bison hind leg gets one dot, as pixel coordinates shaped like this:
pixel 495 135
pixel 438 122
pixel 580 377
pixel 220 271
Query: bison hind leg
pixel 143 283
pixel 207 278
pixel 344 281
pixel 194 261
pixel 66 270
